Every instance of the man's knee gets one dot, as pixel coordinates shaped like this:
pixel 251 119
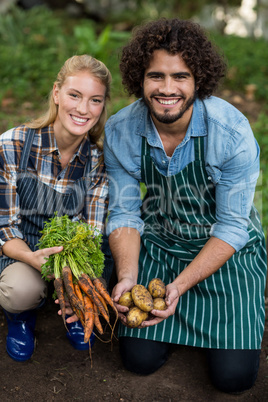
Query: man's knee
pixel 234 371
pixel 142 356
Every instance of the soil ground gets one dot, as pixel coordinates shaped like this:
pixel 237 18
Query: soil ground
pixel 57 372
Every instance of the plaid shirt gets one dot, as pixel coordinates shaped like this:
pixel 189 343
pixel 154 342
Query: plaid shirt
pixel 44 161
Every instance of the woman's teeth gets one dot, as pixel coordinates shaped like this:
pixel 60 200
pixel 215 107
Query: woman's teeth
pixel 79 119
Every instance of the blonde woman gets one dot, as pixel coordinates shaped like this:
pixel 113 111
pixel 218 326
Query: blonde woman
pixel 55 163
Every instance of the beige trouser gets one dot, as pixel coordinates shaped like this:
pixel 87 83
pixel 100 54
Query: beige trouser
pixel 21 288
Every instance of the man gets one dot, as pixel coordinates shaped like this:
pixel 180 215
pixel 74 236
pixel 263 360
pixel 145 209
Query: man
pixel 196 228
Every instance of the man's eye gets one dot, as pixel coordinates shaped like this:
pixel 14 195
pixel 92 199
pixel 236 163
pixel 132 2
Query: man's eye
pixel 181 77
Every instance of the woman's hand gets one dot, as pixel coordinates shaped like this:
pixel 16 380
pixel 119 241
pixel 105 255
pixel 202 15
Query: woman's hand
pixel 72 316
pixel 19 250
pixel 39 257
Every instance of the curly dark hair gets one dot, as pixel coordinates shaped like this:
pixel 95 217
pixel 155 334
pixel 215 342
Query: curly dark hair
pixel 175 36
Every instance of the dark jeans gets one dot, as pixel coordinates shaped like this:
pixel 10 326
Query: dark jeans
pixel 231 371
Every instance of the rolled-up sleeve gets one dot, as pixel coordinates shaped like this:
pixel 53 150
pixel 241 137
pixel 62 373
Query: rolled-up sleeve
pixel 9 209
pixel 236 187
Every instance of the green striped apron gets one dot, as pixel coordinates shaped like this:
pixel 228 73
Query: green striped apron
pixel 227 309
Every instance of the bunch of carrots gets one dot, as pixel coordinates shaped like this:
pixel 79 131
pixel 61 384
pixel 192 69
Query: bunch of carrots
pixel 77 270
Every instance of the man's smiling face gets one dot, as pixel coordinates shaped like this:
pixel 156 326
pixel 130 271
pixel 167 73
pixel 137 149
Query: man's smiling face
pixel 168 88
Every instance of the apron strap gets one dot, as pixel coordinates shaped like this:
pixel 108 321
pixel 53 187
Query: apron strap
pixel 199 149
pixel 26 149
pixel 88 166
pixel 145 149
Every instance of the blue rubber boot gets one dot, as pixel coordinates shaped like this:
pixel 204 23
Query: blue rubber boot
pixel 20 341
pixel 76 334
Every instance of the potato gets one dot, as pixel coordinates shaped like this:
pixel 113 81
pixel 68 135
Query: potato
pixel 159 303
pixel 135 316
pixel 142 298
pixel 126 300
pixel 157 288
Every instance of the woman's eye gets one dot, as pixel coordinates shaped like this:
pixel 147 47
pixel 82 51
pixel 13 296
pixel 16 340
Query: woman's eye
pixel 74 95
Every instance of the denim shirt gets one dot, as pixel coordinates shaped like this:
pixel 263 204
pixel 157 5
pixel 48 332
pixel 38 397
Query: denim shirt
pixel 231 160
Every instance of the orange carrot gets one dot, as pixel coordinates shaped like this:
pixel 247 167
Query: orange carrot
pixel 104 293
pixel 79 313
pixel 58 285
pixel 69 287
pixel 78 293
pixel 97 322
pixel 103 302
pixel 91 292
pixel 89 318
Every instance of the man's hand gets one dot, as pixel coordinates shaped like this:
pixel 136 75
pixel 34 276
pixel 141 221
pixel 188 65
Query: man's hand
pixel 171 299
pixel 125 285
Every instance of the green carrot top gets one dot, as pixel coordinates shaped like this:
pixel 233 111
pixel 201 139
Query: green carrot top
pixel 81 247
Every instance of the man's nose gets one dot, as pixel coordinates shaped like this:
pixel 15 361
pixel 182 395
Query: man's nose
pixel 168 86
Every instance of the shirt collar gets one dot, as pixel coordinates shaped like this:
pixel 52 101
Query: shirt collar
pixel 49 144
pixel 197 126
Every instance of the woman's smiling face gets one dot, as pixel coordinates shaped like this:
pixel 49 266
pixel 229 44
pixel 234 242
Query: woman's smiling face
pixel 80 103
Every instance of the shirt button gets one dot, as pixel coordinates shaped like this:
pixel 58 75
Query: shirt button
pixel 164 162
pixel 209 177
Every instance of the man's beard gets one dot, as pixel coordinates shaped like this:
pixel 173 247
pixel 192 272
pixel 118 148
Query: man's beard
pixel 167 118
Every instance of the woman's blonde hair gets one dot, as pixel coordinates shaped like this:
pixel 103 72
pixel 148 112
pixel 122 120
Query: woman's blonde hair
pixel 71 66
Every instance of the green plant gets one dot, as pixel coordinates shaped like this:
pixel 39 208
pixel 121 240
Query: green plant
pixel 246 63
pixel 33 47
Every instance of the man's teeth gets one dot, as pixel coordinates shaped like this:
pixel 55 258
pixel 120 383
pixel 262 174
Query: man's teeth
pixel 79 119
pixel 167 102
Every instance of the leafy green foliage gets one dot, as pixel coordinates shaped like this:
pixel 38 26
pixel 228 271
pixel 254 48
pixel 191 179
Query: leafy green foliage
pixel 81 247
pixel 32 47
pixel 247 63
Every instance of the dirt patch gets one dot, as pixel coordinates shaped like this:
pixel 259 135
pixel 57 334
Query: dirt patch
pixel 57 372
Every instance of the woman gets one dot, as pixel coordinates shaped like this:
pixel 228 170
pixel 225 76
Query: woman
pixel 55 163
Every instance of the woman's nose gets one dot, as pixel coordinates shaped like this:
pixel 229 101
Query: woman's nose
pixel 82 107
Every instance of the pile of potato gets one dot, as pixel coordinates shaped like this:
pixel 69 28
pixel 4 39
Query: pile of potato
pixel 141 301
